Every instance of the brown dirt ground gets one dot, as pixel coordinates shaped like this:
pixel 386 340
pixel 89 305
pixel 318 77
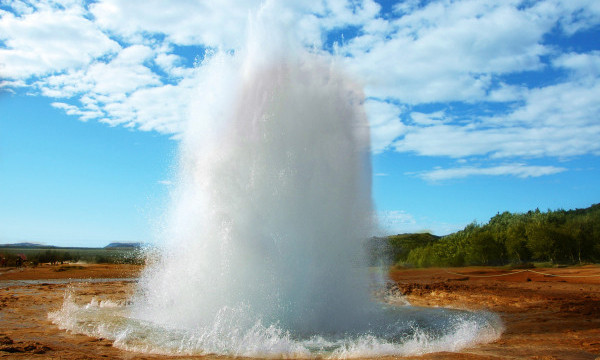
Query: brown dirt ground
pixel 67 271
pixel 545 317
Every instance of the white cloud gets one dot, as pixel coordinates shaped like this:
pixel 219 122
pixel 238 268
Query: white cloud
pixel 447 51
pixel 519 170
pixel 341 13
pixel 20 7
pixel 120 76
pixel 585 64
pixel 459 141
pixel 554 121
pixel 162 108
pixel 49 40
pixel 570 104
pixel 434 118
pixel 125 91
pixel 211 23
pixel 507 93
pixel 83 115
pixel 406 7
pixel 171 64
pixel 428 53
pixel 385 122
pixel 572 15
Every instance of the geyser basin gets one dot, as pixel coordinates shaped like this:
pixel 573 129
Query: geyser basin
pixel 402 331
pixel 262 253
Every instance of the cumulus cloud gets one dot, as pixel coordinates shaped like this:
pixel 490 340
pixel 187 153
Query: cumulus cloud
pixel 433 118
pixel 123 90
pixel 586 64
pixel 121 76
pixel 160 108
pixel 573 16
pixel 447 51
pixel 459 51
pixel 442 78
pixel 385 122
pixel 214 24
pixel 83 114
pixel 554 121
pixel 47 39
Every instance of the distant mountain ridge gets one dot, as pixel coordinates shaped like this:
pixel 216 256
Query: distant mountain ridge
pixel 124 245
pixel 26 245
pixel 113 245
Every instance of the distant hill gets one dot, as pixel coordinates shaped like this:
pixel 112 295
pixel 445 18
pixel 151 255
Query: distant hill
pixel 26 245
pixel 120 245
pixel 29 245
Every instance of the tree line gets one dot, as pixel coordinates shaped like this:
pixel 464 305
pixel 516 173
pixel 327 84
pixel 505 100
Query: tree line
pixel 558 237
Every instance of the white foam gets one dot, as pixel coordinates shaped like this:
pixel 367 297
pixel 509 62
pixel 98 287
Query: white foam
pixel 415 332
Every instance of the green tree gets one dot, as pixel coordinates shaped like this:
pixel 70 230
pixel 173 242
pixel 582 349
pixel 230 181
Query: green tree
pixel 483 249
pixel 516 242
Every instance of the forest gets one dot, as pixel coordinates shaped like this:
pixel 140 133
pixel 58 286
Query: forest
pixel 554 236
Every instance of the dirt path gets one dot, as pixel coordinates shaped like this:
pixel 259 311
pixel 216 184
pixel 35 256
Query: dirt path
pixel 545 317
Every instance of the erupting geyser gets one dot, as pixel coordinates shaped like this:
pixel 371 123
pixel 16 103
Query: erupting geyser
pixel 262 249
pixel 270 217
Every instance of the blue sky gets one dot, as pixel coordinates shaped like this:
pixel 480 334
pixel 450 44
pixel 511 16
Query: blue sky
pixel 475 107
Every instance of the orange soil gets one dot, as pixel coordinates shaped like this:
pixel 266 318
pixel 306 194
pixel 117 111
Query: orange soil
pixel 70 271
pixel 545 317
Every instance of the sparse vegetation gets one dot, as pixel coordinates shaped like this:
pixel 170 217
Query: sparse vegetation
pixel 55 255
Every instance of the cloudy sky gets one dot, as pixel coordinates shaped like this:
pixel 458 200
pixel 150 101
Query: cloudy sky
pixel 475 106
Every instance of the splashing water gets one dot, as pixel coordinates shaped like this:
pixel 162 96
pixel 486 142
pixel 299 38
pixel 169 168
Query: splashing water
pixel 262 250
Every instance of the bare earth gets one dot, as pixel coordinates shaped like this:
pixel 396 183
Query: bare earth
pixel 545 317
